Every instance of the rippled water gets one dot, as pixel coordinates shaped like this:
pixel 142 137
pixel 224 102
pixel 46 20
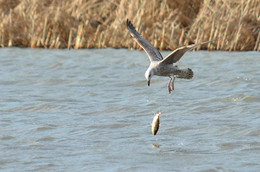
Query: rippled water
pixel 90 110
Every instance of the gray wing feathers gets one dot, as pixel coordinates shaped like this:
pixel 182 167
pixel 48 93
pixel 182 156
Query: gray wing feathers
pixel 184 73
pixel 153 53
pixel 176 55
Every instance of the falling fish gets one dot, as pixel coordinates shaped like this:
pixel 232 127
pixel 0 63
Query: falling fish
pixel 156 123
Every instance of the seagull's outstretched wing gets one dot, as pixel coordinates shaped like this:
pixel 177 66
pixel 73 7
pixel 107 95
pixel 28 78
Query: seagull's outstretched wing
pixel 176 55
pixel 153 53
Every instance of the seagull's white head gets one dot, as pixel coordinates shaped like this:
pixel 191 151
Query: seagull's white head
pixel 148 75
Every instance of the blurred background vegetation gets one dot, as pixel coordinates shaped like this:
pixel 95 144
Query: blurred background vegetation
pixel 167 24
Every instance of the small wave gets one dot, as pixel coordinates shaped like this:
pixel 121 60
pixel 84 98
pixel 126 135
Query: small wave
pixel 252 133
pixel 243 97
pixel 252 99
pixel 6 138
pixel 47 138
pixel 44 128
pixel 35 108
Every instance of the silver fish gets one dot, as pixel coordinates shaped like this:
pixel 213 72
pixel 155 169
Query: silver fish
pixel 156 123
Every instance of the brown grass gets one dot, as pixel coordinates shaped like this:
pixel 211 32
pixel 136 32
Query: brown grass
pixel 168 24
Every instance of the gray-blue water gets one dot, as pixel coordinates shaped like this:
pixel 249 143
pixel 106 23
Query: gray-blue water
pixel 90 110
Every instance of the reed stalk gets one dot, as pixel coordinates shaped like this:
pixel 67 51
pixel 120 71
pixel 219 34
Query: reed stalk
pixel 70 38
pixel 163 37
pixel 78 43
pixel 44 30
pixel 257 44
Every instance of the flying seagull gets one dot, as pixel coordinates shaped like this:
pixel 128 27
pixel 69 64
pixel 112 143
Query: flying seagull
pixel 163 66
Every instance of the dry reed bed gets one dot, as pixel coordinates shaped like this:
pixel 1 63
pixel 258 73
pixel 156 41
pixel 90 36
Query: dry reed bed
pixel 234 24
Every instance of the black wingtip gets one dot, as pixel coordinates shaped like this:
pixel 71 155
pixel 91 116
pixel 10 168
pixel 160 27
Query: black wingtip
pixel 127 22
pixel 129 25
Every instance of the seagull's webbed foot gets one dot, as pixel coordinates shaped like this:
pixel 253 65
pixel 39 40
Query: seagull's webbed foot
pixel 169 85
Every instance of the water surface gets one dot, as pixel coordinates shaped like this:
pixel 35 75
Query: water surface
pixel 90 110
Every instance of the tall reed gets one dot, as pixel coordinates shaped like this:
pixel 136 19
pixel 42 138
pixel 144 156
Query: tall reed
pixel 168 24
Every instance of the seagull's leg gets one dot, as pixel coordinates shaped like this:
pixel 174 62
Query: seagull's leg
pixel 173 83
pixel 169 87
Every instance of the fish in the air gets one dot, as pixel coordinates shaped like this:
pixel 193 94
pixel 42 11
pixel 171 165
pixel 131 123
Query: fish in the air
pixel 156 123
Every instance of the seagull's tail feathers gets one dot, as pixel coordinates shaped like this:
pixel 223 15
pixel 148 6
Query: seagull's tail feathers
pixel 184 73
